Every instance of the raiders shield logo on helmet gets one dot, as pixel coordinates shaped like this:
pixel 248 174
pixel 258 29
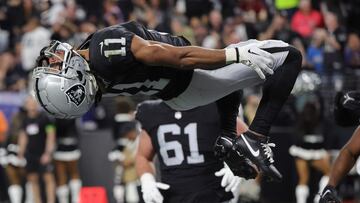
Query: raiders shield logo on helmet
pixel 76 94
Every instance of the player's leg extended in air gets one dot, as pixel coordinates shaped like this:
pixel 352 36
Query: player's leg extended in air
pixel 211 85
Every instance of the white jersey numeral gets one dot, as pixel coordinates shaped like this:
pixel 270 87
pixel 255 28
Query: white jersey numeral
pixel 107 42
pixel 178 154
pixel 194 157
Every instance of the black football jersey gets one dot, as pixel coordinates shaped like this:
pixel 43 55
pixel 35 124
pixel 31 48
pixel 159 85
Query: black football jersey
pixel 113 63
pixel 35 128
pixel 184 143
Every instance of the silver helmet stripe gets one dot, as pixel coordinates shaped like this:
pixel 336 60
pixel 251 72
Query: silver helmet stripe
pixel 39 98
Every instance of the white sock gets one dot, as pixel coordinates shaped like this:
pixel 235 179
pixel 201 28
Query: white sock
pixel 131 191
pixel 62 193
pixel 322 184
pixel 29 193
pixel 302 193
pixel 119 192
pixel 15 193
pixel 75 186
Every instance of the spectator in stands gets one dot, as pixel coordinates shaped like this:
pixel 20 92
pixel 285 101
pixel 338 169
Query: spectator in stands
pixel 73 12
pixel 85 29
pixel 112 13
pixel 4 40
pixel 34 39
pixel 253 9
pixel 245 30
pixel 16 77
pixel 315 51
pixel 306 19
pixel 200 30
pixel 335 40
pixel 179 27
pixel 17 14
pixel 215 21
pixel 36 144
pixel 54 14
pixel 5 65
pixel 64 32
pixel 352 51
pixel 280 29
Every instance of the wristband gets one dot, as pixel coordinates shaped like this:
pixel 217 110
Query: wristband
pixel 232 55
pixel 147 177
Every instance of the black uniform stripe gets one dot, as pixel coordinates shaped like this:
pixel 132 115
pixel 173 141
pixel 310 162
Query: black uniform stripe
pixel 237 55
pixel 39 98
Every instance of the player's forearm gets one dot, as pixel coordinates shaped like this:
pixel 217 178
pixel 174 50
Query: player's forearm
pixel 184 58
pixel 198 57
pixel 343 164
pixel 143 165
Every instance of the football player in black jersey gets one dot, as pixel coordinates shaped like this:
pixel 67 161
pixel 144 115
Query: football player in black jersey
pixel 183 142
pixel 347 113
pixel 128 59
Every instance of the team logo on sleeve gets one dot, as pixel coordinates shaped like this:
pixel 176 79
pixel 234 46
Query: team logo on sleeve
pixel 76 94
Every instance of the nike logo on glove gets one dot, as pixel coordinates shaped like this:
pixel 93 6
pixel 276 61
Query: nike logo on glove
pixel 253 152
pixel 249 51
pixel 347 98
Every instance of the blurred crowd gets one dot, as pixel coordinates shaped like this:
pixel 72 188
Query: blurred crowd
pixel 326 32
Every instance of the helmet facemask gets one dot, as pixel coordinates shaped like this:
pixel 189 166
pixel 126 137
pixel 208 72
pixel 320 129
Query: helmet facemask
pixel 60 59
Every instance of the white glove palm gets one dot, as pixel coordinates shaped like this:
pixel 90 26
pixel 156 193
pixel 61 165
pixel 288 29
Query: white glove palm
pixel 229 181
pixel 251 55
pixel 150 189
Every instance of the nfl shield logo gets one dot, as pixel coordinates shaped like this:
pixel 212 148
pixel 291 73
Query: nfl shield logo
pixel 76 94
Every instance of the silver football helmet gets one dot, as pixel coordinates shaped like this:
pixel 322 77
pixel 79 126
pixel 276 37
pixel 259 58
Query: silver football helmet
pixel 64 85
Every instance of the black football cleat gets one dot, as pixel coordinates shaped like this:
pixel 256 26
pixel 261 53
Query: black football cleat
pixel 239 164
pixel 258 150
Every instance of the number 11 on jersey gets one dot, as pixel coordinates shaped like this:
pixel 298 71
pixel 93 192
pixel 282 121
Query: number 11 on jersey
pixel 107 42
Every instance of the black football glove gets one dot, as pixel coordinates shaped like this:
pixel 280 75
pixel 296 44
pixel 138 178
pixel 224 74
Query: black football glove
pixel 347 108
pixel 329 195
